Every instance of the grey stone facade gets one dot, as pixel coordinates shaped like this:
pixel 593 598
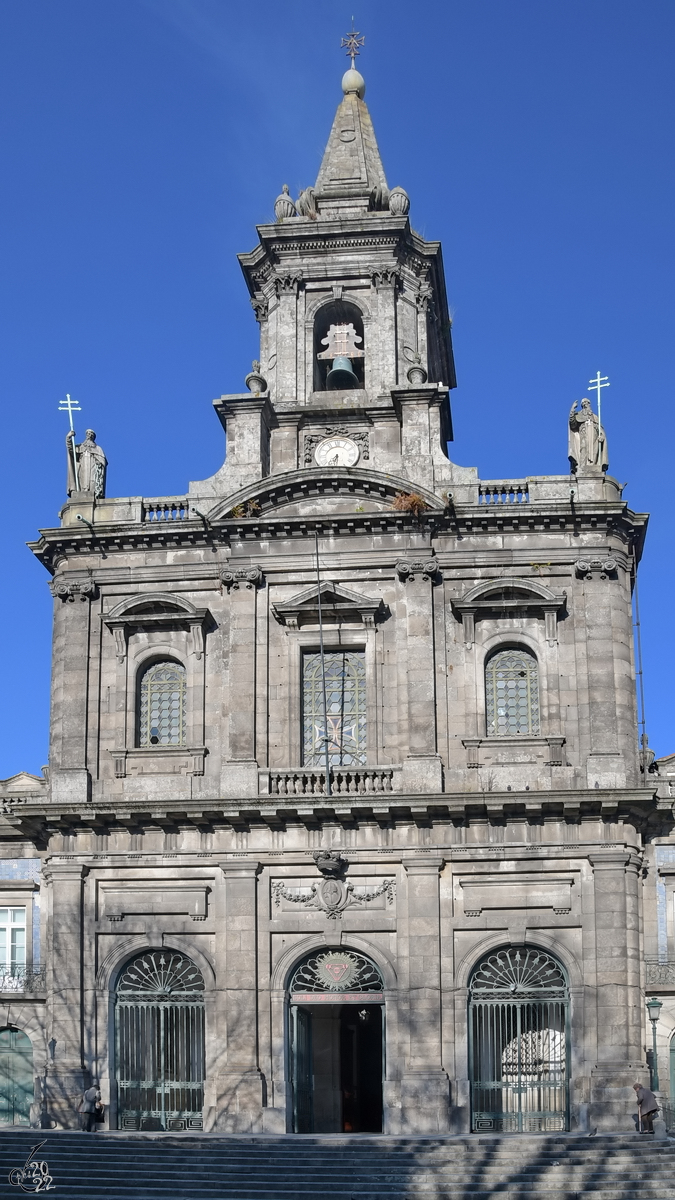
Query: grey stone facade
pixel 455 842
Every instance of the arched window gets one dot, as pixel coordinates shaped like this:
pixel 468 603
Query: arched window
pixel 511 693
pixel 161 705
pixel 338 332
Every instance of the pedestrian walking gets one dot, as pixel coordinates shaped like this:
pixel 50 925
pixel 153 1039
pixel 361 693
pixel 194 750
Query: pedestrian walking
pixel 647 1108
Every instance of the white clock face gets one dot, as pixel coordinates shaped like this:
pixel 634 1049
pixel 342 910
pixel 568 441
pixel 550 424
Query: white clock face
pixel 337 452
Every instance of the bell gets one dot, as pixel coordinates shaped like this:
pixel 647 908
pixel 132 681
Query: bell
pixel 341 375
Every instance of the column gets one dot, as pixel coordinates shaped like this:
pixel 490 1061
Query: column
pixel 425 1089
pixel 67 1074
pixel 69 777
pixel 239 774
pixel 618 997
pixel 422 769
pixel 240 1086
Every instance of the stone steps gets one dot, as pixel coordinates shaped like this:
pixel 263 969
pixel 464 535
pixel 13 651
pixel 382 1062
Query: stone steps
pixel 311 1167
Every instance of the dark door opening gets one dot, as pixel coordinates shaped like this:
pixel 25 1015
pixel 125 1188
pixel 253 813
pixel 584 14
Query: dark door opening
pixel 337 1068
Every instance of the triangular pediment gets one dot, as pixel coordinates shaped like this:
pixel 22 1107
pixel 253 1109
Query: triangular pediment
pixel 339 605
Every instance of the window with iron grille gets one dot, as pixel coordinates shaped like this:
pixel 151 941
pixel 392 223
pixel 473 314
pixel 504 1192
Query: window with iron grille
pixel 345 708
pixel 161 705
pixel 512 693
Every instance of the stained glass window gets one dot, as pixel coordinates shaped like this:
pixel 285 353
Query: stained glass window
pixel 345 707
pixel 512 693
pixel 161 709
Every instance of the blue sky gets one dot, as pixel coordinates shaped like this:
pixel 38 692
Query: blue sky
pixel 144 139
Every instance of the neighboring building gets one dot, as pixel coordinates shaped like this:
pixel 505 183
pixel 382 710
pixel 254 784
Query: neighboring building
pixel 454 938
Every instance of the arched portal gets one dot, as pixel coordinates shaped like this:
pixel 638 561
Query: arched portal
pixel 336 1031
pixel 519 1042
pixel 16 1077
pixel 159 1026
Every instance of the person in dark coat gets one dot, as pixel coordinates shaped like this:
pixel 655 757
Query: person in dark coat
pixel 88 1103
pixel 647 1107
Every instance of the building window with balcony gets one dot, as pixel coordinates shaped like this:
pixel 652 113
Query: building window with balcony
pixel 345 682
pixel 12 940
pixel 512 693
pixel 162 704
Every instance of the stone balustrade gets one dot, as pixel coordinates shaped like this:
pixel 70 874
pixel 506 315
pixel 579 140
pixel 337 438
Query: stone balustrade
pixel 311 781
pixel 505 491
pixel 169 508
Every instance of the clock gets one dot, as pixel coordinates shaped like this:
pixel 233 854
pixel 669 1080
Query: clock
pixel 337 452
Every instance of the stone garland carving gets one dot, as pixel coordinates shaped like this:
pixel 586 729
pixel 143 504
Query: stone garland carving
pixel 587 568
pixel 248 576
pixel 332 895
pixel 312 441
pixel 407 569
pixel 85 589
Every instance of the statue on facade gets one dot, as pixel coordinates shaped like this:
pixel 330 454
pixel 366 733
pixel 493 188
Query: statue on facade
pixel 86 465
pixel 587 443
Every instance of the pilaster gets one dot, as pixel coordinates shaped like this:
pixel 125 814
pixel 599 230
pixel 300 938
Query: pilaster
pixel 240 1086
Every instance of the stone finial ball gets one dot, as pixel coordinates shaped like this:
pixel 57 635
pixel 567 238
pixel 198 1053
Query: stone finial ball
pixel 353 81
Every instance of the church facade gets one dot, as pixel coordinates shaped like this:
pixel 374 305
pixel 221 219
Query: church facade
pixel 345 826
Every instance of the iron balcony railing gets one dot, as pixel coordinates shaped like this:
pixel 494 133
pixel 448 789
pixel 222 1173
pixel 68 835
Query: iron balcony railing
pixel 27 980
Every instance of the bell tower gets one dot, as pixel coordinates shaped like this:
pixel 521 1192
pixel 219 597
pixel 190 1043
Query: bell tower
pixel 354 328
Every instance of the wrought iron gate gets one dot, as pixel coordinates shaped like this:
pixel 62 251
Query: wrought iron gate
pixel 519 1043
pixel 16 1077
pixel 160 1043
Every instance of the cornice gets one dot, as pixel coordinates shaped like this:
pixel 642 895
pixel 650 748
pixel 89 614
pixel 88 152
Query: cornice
pixel 640 808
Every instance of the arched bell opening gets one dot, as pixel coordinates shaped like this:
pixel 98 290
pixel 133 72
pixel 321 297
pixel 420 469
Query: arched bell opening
pixel 159 1042
pixel 336 1043
pixel 339 353
pixel 519 1042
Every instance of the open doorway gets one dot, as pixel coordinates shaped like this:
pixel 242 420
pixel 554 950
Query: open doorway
pixel 337 1061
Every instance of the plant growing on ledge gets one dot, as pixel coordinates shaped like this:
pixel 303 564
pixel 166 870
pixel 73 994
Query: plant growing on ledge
pixel 410 502
pixel 246 510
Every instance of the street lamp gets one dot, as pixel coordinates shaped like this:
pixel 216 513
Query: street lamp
pixel 654 1007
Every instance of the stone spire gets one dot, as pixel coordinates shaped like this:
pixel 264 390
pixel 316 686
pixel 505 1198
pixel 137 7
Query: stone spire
pixel 351 179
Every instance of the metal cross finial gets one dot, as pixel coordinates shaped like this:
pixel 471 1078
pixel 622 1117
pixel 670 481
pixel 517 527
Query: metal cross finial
pixel 70 406
pixel 596 385
pixel 352 41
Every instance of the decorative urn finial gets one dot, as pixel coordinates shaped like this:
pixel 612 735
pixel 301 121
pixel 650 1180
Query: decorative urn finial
pixel 254 380
pixel 284 206
pixel 399 202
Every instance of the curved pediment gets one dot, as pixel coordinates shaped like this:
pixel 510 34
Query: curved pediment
pixel 153 604
pixel 339 605
pixel 339 489
pixel 509 597
pixel 510 592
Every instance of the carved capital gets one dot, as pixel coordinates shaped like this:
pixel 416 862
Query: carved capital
pixel 386 278
pixel 249 577
pixel 69 590
pixel 588 568
pixel 260 305
pixel 284 284
pixel 407 569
